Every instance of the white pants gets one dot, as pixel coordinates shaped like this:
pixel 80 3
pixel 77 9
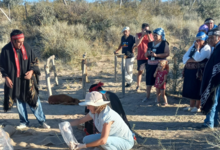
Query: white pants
pixel 129 63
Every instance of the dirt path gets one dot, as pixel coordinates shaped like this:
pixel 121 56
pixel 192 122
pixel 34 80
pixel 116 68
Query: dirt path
pixel 168 127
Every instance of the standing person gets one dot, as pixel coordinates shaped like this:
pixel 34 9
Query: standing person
pixel 127 43
pixel 160 83
pixel 142 39
pixel 210 87
pixel 195 60
pixel 157 50
pixel 210 23
pixel 113 133
pixel 19 67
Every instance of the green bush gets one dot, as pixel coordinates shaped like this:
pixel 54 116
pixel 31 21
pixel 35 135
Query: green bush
pixel 209 9
pixel 42 14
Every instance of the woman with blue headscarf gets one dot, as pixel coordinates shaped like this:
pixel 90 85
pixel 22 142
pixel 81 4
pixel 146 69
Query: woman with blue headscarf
pixel 195 60
pixel 157 50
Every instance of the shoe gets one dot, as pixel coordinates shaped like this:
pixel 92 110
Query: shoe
pixel 128 85
pixel 188 108
pixel 21 126
pixel 158 105
pixel 137 88
pixel 194 110
pixel 145 99
pixel 45 126
pixel 165 104
pixel 204 127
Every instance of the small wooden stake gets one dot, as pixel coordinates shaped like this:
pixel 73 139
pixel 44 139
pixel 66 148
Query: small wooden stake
pixel 115 68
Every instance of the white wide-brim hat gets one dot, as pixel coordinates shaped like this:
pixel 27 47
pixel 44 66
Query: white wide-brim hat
pixel 94 99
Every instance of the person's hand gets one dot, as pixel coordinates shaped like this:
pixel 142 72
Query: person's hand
pixel 80 146
pixel 153 54
pixel 115 52
pixel 197 46
pixel 8 82
pixel 144 33
pixel 28 75
pixel 72 146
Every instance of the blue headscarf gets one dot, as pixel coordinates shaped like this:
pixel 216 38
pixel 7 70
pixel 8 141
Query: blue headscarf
pixel 160 31
pixel 202 36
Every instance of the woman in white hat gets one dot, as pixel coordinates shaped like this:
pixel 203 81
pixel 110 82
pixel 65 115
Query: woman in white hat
pixel 113 134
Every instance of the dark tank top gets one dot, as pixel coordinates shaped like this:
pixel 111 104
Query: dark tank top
pixel 157 50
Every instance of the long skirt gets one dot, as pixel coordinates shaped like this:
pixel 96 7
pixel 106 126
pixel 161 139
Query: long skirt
pixel 150 70
pixel 191 85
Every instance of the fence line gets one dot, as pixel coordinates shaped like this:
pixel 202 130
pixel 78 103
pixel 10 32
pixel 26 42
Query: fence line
pixel 85 74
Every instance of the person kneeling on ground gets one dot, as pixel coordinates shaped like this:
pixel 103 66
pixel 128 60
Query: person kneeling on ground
pixel 115 104
pixel 113 134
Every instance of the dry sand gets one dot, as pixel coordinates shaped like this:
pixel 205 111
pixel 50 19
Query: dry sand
pixel 168 127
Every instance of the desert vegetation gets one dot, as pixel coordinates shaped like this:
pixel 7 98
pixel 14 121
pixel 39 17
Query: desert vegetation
pixel 70 29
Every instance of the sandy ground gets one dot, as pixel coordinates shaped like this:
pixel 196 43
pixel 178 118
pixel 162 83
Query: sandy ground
pixel 168 127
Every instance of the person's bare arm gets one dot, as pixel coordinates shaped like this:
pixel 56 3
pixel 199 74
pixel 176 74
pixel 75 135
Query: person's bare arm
pixel 163 55
pixel 80 121
pixel 164 80
pixel 104 136
pixel 119 47
pixel 149 38
pixel 155 74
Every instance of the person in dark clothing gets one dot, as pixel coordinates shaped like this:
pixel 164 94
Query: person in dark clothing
pixel 157 50
pixel 127 43
pixel 210 87
pixel 115 104
pixel 19 67
pixel 195 60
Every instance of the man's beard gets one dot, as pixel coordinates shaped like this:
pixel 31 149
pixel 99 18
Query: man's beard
pixel 126 36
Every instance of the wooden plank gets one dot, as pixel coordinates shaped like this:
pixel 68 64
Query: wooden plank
pixel 115 68
pixel 123 76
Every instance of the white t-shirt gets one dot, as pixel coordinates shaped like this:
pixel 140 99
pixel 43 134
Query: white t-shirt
pixel 118 128
pixel 204 53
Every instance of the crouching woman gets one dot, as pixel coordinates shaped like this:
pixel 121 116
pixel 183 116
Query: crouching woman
pixel 113 134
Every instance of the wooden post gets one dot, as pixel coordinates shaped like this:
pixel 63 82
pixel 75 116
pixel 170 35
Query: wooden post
pixel 47 73
pixel 123 76
pixel 55 72
pixel 122 56
pixel 115 68
pixel 84 74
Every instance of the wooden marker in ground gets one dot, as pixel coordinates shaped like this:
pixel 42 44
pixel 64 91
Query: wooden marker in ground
pixel 115 68
pixel 47 73
pixel 122 56
pixel 84 74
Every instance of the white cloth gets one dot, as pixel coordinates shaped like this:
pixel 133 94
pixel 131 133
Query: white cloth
pixel 118 128
pixel 129 63
pixel 205 52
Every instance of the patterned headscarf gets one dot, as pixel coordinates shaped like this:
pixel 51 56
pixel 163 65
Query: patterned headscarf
pixel 204 27
pixel 202 36
pixel 160 31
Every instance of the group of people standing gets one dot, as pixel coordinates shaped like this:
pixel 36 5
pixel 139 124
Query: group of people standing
pixel 200 73
pixel 153 49
pixel 109 128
